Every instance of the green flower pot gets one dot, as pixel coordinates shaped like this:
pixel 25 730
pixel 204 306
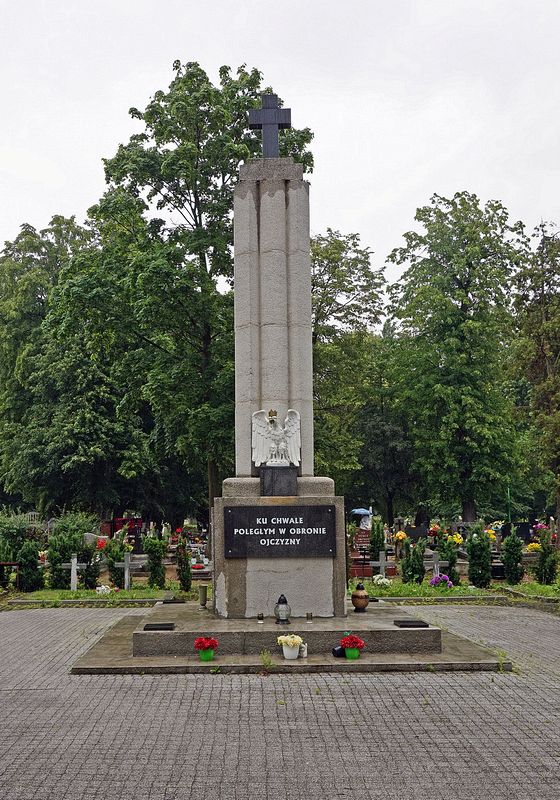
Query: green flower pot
pixel 206 655
pixel 352 653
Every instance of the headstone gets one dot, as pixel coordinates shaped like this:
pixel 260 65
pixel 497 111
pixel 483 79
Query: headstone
pixel 416 532
pixel 361 538
pixel 265 545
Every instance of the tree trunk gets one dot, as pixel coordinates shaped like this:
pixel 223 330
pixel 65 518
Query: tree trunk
pixel 469 510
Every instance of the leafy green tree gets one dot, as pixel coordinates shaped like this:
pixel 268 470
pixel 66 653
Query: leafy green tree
pixel 538 313
pixel 346 303
pixel 118 385
pixel 346 292
pixel 386 455
pixel 338 403
pixel 30 267
pixel 453 303
pixel 183 166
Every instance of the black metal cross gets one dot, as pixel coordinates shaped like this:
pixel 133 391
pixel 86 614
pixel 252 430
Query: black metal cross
pixel 270 118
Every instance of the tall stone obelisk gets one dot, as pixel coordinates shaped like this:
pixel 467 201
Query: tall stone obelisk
pixel 273 356
pixel 292 542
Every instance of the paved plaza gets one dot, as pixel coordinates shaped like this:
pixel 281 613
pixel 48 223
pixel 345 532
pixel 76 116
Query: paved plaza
pixel 441 736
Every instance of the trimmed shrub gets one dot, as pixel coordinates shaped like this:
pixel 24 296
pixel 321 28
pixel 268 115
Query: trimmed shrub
pixel 14 531
pixel 480 557
pixel 76 522
pixel 448 552
pixel 184 572
pixel 412 563
pixel 89 555
pixel 376 539
pixel 6 554
pixel 30 574
pixel 545 571
pixel 61 547
pixel 114 552
pixel 155 549
pixel 68 538
pixel 512 552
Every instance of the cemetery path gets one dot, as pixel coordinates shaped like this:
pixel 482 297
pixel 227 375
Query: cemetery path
pixel 465 736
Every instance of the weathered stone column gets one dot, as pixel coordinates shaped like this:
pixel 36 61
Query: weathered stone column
pixel 273 352
pixel 292 544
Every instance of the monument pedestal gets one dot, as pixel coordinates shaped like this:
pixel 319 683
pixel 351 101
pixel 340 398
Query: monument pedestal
pixel 305 533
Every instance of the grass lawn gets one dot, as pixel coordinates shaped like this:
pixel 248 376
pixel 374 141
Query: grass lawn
pixel 535 589
pixel 138 592
pixel 400 589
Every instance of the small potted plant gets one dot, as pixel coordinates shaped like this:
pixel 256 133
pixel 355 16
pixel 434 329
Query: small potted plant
pixel 205 646
pixel 352 645
pixel 290 645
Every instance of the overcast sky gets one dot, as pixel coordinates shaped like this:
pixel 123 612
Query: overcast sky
pixel 405 97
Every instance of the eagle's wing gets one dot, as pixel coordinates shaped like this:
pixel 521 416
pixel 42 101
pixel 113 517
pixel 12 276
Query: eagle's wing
pixel 260 438
pixel 292 432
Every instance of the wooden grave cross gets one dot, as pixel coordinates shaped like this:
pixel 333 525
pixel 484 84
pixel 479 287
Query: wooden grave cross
pixel 382 563
pixel 435 564
pixel 73 566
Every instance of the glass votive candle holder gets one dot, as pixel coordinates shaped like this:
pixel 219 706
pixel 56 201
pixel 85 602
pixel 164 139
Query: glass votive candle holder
pixel 309 617
pixel 260 618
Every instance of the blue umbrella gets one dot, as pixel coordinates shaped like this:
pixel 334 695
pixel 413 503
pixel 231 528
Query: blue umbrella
pixel 362 511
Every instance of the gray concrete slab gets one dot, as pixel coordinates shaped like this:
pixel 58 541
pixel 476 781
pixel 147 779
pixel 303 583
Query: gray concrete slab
pixel 466 736
pixel 249 637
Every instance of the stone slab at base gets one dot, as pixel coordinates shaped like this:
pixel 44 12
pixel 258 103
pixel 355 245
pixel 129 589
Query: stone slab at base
pixel 250 637
pixel 112 655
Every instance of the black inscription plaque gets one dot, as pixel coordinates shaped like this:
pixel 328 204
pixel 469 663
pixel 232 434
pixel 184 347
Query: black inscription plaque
pixel 279 531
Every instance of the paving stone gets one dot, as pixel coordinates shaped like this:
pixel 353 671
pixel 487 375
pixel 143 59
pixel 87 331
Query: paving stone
pixel 466 736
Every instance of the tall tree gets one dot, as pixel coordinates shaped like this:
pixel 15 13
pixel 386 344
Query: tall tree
pixel 386 454
pixel 538 312
pixel 184 166
pixel 453 305
pixel 346 290
pixel 30 268
pixel 346 302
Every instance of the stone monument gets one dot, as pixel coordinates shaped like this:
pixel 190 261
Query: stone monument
pixel 277 529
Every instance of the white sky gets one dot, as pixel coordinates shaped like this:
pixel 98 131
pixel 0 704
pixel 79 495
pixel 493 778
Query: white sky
pixel 406 98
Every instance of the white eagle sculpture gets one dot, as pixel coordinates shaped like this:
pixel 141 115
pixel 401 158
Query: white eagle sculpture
pixel 272 444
